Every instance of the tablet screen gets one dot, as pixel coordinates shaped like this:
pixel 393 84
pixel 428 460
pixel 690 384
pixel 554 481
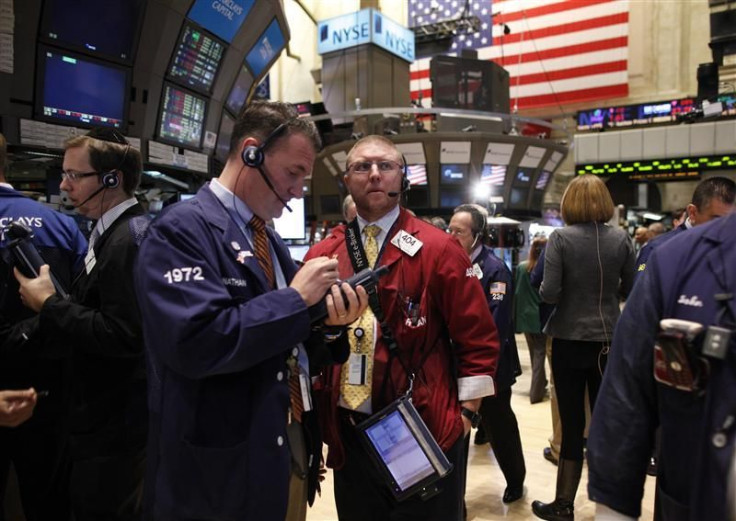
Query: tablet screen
pixel 399 450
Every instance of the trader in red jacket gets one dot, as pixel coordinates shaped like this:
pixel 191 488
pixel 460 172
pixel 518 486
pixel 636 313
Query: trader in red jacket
pixel 444 332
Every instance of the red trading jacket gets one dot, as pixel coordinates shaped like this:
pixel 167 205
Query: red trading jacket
pixel 452 306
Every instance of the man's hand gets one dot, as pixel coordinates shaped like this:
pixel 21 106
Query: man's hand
pixel 341 313
pixel 313 280
pixel 473 405
pixel 16 406
pixel 34 292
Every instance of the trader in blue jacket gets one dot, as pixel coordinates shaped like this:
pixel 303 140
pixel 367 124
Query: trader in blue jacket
pixel 468 225
pixel 228 334
pixel 686 387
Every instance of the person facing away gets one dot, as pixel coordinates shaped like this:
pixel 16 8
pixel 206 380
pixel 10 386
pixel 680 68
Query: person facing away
pixel 230 339
pixel 98 327
pixel 428 276
pixel 38 449
pixel 468 226
pixel 588 268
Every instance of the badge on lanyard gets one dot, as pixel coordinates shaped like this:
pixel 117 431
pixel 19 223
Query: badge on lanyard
pixel 356 369
pixel 407 243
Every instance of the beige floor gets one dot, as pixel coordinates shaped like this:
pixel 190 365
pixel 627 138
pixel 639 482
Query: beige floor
pixel 485 481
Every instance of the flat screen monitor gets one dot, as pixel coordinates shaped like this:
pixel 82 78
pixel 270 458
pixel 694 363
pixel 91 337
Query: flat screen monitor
pixel 522 177
pixel 81 91
pixel 453 174
pixel 451 198
pixel 493 175
pixel 417 175
pixel 266 49
pixel 542 180
pixel 518 197
pixel 291 225
pixel 222 148
pixel 240 90
pixel 182 117
pixel 303 108
pixel 196 59
pixel 221 18
pixel 299 251
pixel 110 28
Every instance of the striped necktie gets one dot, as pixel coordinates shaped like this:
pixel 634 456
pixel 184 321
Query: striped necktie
pixel 263 254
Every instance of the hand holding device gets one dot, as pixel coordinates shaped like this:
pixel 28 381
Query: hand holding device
pixel 26 256
pixel 366 278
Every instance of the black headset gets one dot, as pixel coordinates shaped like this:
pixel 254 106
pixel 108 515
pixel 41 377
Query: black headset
pixel 254 156
pixel 405 183
pixel 110 179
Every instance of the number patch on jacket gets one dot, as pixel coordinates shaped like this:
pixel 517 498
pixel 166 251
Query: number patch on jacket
pixel 183 274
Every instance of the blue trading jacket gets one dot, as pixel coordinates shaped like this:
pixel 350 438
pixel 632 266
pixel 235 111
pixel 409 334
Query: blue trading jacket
pixel 682 277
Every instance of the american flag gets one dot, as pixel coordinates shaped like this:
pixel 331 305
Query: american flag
pixel 493 175
pixel 556 52
pixel 417 174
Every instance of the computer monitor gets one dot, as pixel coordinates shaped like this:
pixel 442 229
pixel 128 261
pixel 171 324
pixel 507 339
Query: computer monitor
pixel 239 92
pixel 452 174
pixel 303 108
pixel 291 225
pixel 542 180
pixel 222 148
pixel 81 91
pixel 493 175
pixel 182 116
pixel 522 177
pixel 452 198
pixel 518 198
pixel 266 49
pixel 111 31
pixel 196 59
pixel 221 18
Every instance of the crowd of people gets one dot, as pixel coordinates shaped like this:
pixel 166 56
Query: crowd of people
pixel 187 368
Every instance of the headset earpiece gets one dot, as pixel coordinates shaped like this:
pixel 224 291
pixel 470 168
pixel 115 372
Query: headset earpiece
pixel 110 179
pixel 405 183
pixel 254 156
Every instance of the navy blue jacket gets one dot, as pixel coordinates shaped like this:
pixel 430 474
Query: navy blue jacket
pixel 27 358
pixel 218 341
pixel 680 281
pixel 650 246
pixel 498 288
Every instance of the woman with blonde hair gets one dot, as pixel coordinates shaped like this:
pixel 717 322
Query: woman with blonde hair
pixel 589 267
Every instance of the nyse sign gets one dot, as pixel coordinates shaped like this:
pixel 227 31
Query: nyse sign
pixel 363 27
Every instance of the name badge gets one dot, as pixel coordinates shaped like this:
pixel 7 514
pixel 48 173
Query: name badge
pixel 477 271
pixel 407 243
pixel 356 369
pixel 304 385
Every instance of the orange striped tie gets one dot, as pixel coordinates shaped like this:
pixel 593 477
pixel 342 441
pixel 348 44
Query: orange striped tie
pixel 260 241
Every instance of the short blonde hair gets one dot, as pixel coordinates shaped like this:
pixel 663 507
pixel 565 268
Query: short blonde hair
pixel 586 199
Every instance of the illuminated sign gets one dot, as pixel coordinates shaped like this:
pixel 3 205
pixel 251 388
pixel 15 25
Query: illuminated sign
pixel 630 115
pixel 365 26
pixel 687 168
pixel 222 17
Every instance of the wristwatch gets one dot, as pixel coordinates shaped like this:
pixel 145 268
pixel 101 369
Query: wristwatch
pixel 473 416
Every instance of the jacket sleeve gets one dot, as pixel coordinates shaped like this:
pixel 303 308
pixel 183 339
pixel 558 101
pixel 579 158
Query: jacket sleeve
pixel 624 420
pixel 113 328
pixel 551 286
pixel 500 304
pixel 195 325
pixel 470 325
pixel 628 271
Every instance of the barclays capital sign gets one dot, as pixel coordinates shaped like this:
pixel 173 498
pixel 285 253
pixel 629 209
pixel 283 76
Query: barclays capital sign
pixel 365 26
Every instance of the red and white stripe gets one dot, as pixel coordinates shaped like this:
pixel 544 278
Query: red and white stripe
pixel 558 52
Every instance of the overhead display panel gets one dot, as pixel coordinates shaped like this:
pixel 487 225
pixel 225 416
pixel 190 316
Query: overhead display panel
pixel 493 175
pixel 239 92
pixel 221 17
pixel 266 49
pixel 532 157
pixel 222 148
pixel 196 59
pixel 498 153
pixel 78 90
pixel 413 153
pixel 182 117
pixel 455 152
pixel 111 33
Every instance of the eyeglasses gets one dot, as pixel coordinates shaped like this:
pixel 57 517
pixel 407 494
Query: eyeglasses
pixel 76 176
pixel 385 167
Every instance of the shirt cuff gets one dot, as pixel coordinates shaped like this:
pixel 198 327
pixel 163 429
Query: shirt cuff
pixel 604 513
pixel 472 387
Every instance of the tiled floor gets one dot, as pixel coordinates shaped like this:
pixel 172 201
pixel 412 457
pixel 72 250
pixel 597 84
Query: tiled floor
pixel 485 481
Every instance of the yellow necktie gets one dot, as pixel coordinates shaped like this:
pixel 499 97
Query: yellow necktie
pixel 361 335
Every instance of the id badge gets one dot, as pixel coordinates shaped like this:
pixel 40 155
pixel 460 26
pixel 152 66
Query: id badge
pixel 356 369
pixel 304 385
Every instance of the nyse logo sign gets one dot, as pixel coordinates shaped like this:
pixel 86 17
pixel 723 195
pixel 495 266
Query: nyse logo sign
pixel 366 26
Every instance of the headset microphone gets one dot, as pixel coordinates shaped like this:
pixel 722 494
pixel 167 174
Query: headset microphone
pixel 100 189
pixel 270 185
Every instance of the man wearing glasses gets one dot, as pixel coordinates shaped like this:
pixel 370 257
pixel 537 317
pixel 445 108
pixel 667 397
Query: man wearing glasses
pixel 443 329
pixel 100 328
